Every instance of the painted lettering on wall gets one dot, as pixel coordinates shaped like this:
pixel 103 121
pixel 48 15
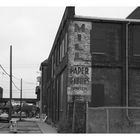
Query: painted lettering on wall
pixel 79 70
pixel 79 74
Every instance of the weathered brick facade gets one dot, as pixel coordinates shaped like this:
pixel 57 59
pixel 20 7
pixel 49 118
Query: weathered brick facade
pixel 94 61
pixel 79 60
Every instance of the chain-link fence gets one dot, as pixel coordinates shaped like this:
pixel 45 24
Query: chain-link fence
pixel 113 120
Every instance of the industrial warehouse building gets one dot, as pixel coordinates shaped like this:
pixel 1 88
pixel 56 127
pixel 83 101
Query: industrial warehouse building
pixel 91 79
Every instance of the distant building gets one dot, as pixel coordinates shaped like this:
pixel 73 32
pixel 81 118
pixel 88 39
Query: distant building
pixel 1 92
pixel 93 75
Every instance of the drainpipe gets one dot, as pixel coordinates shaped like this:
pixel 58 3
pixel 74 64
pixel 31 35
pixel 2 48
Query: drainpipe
pixel 127 72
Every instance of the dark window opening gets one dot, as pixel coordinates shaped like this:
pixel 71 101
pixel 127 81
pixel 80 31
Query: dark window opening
pixel 136 40
pixel 97 96
pixel 106 40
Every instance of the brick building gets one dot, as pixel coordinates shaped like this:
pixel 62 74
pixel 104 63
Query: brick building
pixel 93 74
pixel 43 87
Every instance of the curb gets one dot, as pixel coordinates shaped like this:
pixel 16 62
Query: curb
pixel 53 131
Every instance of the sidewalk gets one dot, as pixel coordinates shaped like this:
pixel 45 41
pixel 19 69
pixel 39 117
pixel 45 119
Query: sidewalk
pixel 33 125
pixel 45 128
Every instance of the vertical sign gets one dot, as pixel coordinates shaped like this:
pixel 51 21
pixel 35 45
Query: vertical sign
pixel 79 64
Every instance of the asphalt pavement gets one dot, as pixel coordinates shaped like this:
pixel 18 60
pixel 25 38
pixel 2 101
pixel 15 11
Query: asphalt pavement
pixel 4 127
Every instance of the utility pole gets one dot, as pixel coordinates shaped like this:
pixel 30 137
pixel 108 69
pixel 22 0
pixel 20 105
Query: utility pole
pixel 10 109
pixel 21 99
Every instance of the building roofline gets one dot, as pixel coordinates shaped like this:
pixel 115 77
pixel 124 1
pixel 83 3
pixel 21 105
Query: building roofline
pixel 44 63
pixel 135 14
pixel 68 14
pixel 106 19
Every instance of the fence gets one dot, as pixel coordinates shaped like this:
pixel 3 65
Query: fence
pixel 113 120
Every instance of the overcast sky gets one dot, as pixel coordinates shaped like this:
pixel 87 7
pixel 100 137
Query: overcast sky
pixel 31 32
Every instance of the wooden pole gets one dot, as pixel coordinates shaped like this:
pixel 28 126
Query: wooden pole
pixel 21 100
pixel 10 109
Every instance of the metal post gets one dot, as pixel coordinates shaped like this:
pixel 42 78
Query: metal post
pixel 107 117
pixel 86 117
pixel 21 100
pixel 10 109
pixel 127 71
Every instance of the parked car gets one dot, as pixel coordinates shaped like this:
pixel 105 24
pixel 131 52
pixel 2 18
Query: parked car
pixel 4 117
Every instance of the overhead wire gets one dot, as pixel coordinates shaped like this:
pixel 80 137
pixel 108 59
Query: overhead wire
pixel 25 82
pixel 4 70
pixel 16 77
pixel 9 76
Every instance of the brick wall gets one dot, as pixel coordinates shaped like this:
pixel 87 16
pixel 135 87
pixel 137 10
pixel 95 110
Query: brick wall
pixel 44 89
pixel 134 93
pixel 111 79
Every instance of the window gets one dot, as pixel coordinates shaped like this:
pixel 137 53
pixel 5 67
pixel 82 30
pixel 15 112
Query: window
pixel 61 91
pixel 66 43
pixel 60 52
pixel 106 40
pixel 55 57
pixel 97 96
pixel 58 55
pixel 62 45
pixel 52 65
pixel 136 40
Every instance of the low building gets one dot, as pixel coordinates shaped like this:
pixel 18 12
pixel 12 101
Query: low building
pixel 93 75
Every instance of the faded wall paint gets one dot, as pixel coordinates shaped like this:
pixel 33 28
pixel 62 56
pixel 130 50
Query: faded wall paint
pixel 79 61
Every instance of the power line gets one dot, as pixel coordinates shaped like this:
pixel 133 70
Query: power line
pixel 15 77
pixel 9 76
pixel 4 70
pixel 15 86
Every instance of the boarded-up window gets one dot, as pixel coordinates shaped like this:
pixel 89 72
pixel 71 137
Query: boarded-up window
pixel 60 52
pixel 97 96
pixel 61 91
pixel 136 40
pixel 65 43
pixel 52 65
pixel 106 40
pixel 62 48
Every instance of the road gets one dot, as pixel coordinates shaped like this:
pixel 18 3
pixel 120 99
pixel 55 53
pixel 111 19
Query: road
pixel 4 127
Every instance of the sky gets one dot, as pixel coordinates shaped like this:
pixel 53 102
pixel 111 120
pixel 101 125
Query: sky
pixel 31 32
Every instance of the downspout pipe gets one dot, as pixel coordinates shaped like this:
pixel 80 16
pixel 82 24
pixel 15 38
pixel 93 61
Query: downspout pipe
pixel 126 68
